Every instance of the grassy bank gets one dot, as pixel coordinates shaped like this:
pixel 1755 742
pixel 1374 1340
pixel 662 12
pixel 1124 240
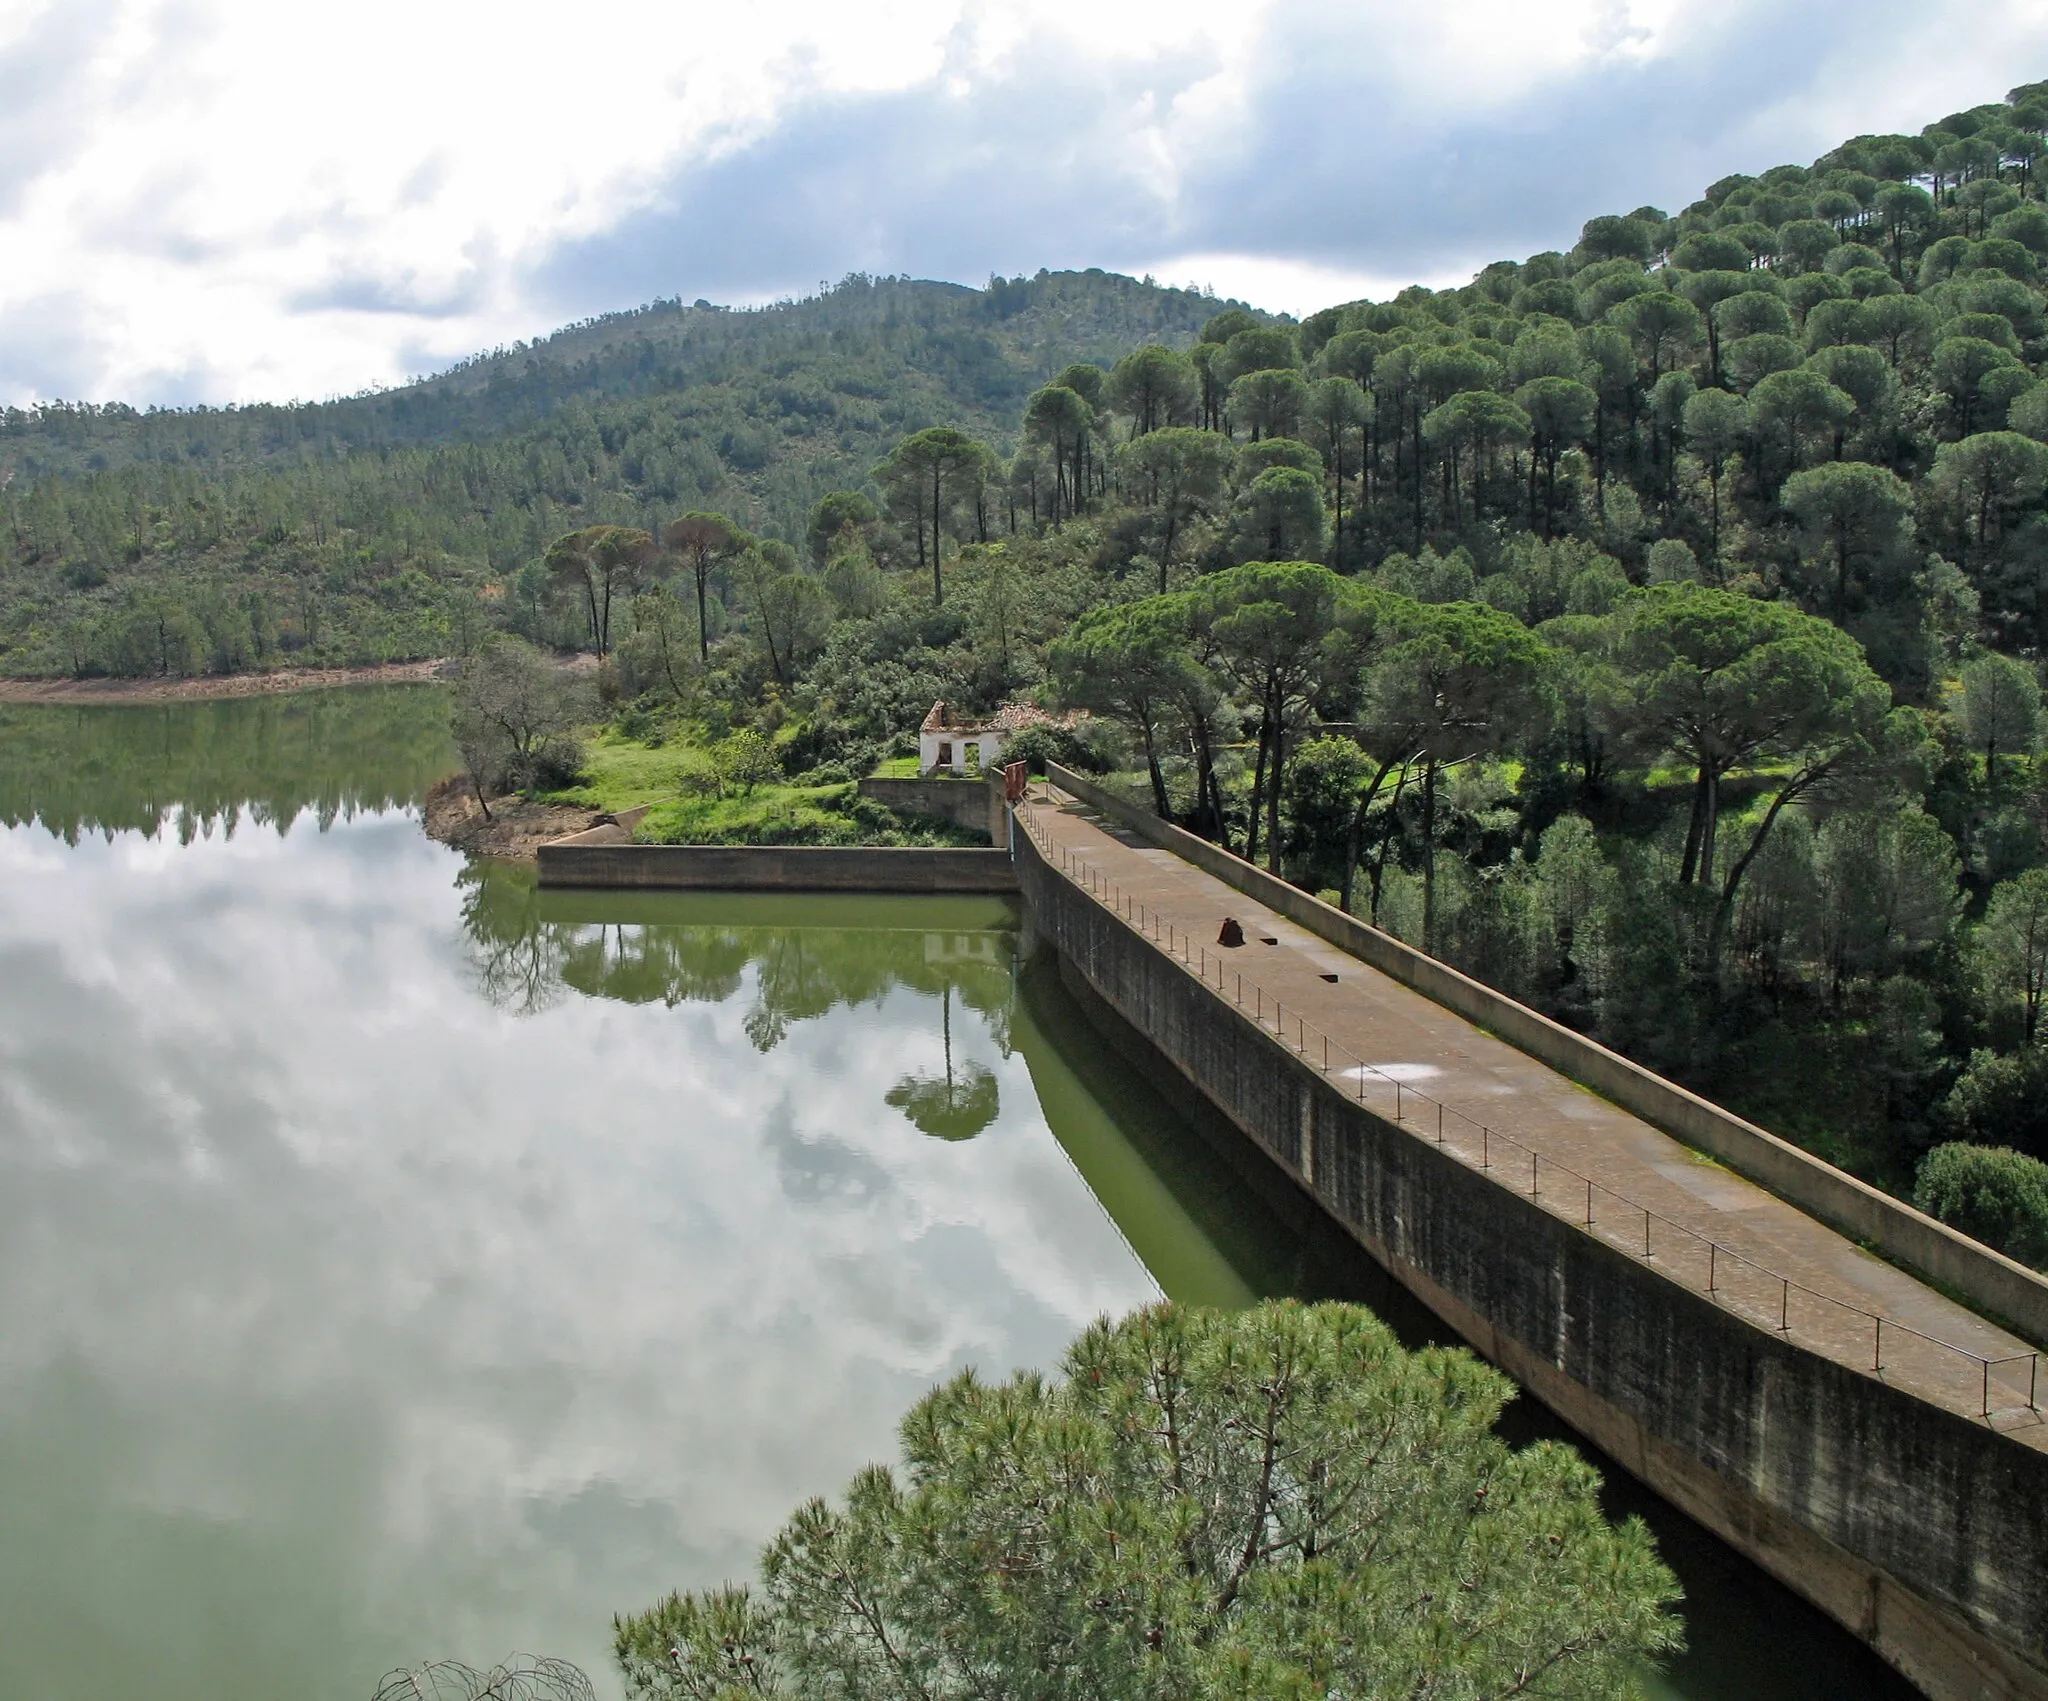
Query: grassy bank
pixel 690 802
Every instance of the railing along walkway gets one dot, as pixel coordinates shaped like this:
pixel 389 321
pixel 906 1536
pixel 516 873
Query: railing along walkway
pixel 1628 1184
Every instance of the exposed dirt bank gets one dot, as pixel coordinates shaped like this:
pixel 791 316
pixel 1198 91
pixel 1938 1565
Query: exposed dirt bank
pixel 516 828
pixel 208 686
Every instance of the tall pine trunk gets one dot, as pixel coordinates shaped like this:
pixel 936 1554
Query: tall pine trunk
pixel 1277 715
pixel 1429 767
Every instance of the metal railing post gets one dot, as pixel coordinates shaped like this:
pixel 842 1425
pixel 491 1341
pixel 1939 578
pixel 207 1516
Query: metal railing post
pixel 1784 1306
pixel 1710 1266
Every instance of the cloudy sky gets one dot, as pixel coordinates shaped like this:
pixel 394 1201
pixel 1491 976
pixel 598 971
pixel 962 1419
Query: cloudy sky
pixel 217 200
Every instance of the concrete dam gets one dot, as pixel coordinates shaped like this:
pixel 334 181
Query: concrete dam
pixel 1845 1391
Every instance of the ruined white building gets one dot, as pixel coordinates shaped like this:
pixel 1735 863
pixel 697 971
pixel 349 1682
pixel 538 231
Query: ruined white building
pixel 949 743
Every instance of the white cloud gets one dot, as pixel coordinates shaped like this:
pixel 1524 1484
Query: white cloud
pixel 1285 285
pixel 230 199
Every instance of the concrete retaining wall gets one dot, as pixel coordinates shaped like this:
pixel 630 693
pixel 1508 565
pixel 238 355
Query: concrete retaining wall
pixel 776 868
pixel 974 804
pixel 2002 1289
pixel 1923 1532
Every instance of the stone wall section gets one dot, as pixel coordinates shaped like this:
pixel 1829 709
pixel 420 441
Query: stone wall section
pixel 776 868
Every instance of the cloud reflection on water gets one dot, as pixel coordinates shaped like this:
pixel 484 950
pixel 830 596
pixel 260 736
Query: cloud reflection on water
pixel 355 1316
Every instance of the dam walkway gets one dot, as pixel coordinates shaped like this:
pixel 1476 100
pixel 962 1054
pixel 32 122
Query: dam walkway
pixel 1532 1129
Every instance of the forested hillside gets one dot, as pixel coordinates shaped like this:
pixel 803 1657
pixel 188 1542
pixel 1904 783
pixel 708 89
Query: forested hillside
pixel 1652 629
pixel 367 529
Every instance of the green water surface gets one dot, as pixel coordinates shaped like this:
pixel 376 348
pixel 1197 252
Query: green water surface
pixel 397 1261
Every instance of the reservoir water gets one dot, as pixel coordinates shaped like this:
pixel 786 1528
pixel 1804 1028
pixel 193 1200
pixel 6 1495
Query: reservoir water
pixel 397 1262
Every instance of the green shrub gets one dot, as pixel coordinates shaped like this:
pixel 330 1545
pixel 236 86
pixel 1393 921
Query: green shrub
pixel 2001 1099
pixel 1990 1193
pixel 1037 745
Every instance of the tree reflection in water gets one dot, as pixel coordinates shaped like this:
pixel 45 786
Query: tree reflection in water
pixel 528 950
pixel 955 1106
pixel 191 768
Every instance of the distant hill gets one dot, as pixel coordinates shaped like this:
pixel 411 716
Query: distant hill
pixel 872 354
pixel 340 524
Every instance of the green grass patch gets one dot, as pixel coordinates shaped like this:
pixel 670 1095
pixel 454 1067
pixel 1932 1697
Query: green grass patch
pixel 794 815
pixel 687 806
pixel 623 773
pixel 898 768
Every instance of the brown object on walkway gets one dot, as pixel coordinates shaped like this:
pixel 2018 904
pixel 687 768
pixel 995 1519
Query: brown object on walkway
pixel 1232 934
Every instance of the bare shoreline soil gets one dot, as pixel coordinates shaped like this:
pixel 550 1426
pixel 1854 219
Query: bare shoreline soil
pixel 515 831
pixel 209 687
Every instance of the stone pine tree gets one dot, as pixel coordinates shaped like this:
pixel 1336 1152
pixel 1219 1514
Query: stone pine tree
pixel 1459 680
pixel 840 515
pixel 1153 386
pixel 1852 517
pixel 1179 475
pixel 956 1104
pixel 2012 948
pixel 1722 681
pixel 928 473
pixel 1716 425
pixel 2001 708
pixel 702 540
pixel 600 562
pixel 1268 403
pixel 1131 661
pixel 1058 420
pixel 1560 414
pixel 1276 1503
pixel 1336 408
pixel 1275 630
pixel 1279 516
